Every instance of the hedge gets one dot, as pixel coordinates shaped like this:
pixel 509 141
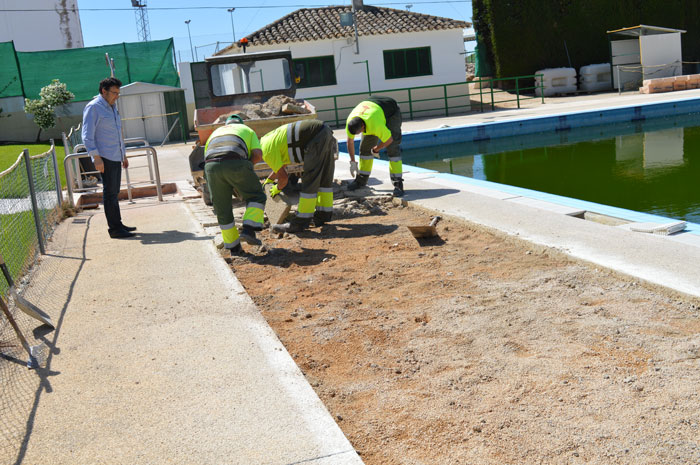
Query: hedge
pixel 523 36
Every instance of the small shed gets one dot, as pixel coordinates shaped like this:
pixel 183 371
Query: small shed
pixel 644 52
pixel 153 112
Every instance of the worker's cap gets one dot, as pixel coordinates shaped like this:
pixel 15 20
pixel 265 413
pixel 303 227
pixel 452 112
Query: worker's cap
pixel 234 119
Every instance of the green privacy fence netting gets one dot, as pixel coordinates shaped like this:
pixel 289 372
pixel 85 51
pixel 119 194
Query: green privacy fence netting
pixel 81 69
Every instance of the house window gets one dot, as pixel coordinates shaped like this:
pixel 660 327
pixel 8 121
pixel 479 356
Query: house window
pixel 407 62
pixel 315 71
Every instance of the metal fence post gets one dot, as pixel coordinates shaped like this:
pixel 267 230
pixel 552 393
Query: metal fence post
pixel 335 105
pixel 59 191
pixel 410 103
pixel 35 206
pixel 517 91
pixel 447 111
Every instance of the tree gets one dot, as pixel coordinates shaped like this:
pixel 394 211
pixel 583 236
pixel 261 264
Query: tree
pixel 44 108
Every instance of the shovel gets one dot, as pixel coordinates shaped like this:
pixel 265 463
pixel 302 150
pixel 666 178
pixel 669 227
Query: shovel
pixel 425 231
pixel 24 305
pixel 37 354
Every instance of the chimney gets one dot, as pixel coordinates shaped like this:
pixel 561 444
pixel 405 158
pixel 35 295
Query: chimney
pixel 357 5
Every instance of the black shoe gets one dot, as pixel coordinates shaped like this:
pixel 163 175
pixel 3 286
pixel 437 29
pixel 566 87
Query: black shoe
pixel 247 235
pixel 237 251
pixel 121 234
pixel 321 218
pixel 128 228
pixel 398 189
pixel 359 181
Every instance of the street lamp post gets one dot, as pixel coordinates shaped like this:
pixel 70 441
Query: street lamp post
pixel 233 29
pixel 190 36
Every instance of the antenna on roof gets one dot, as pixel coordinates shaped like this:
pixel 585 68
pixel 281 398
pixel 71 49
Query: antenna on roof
pixel 143 29
pixel 409 6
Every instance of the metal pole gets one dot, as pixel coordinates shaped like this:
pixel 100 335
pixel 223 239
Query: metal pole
pixel 190 36
pixel 177 120
pixel 354 25
pixel 233 29
pixel 59 192
pixel 35 206
pixel 619 83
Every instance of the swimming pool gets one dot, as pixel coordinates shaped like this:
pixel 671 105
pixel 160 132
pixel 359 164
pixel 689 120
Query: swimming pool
pixel 650 166
pixel 635 158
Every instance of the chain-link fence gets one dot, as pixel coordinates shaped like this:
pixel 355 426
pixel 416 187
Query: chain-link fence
pixel 30 201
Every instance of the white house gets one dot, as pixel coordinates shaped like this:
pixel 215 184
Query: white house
pixel 55 25
pixel 395 49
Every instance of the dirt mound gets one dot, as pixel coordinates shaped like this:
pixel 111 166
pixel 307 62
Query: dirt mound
pixel 477 348
pixel 279 105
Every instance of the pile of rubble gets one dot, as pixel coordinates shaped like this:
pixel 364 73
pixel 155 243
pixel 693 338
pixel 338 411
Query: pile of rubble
pixel 279 105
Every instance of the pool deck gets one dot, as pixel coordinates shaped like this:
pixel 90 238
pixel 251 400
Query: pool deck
pixel 173 362
pixel 669 261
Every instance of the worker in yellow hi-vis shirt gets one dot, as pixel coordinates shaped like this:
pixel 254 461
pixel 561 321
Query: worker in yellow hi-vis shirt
pixel 229 156
pixel 310 142
pixel 378 119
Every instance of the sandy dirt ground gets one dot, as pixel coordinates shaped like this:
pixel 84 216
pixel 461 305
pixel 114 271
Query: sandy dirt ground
pixel 478 348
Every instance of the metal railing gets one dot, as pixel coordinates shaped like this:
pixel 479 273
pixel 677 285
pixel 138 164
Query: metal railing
pixel 441 99
pixel 520 87
pixel 131 152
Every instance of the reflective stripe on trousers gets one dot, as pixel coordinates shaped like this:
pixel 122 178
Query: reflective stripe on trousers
pixel 254 215
pixel 307 205
pixel 395 168
pixel 229 233
pixel 366 163
pixel 324 199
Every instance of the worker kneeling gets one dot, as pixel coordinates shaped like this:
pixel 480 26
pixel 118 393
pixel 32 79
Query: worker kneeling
pixel 310 142
pixel 377 119
pixel 229 156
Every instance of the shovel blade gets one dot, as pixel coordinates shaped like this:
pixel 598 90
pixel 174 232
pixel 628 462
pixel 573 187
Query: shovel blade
pixel 31 309
pixel 423 231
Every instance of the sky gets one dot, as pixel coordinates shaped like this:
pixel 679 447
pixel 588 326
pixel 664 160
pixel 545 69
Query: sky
pixel 210 21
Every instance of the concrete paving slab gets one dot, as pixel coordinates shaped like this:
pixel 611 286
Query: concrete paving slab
pixel 549 206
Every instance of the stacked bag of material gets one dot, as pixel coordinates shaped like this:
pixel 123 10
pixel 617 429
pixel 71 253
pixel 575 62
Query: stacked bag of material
pixel 595 78
pixel 670 84
pixel 553 81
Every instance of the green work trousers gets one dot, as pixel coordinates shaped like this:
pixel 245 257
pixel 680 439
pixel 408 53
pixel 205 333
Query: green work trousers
pixel 393 150
pixel 225 176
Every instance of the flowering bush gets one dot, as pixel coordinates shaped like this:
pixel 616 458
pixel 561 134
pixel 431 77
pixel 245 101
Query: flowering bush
pixel 44 108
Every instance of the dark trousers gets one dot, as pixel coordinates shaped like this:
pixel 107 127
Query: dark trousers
pixel 111 180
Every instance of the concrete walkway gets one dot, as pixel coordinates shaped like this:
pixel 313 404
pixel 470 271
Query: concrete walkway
pixel 161 357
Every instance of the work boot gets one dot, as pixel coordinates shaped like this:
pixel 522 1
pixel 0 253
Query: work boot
pixel 321 218
pixel 247 235
pixel 398 188
pixel 237 251
pixel 359 181
pixel 293 226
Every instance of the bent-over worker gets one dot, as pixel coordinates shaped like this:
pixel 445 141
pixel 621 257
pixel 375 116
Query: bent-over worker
pixel 378 119
pixel 229 156
pixel 310 142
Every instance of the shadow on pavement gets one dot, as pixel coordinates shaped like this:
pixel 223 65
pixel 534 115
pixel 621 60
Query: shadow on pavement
pixel 418 194
pixel 168 237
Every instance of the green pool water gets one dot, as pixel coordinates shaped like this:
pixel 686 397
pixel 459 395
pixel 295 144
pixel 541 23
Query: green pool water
pixel 651 166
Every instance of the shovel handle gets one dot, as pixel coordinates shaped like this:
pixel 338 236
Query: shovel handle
pixel 434 221
pixel 13 323
pixel 5 271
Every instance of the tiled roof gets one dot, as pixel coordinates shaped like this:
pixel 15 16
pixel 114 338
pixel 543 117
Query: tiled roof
pixel 310 24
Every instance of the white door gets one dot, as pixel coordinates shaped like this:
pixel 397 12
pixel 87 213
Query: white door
pixel 153 106
pixel 130 112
